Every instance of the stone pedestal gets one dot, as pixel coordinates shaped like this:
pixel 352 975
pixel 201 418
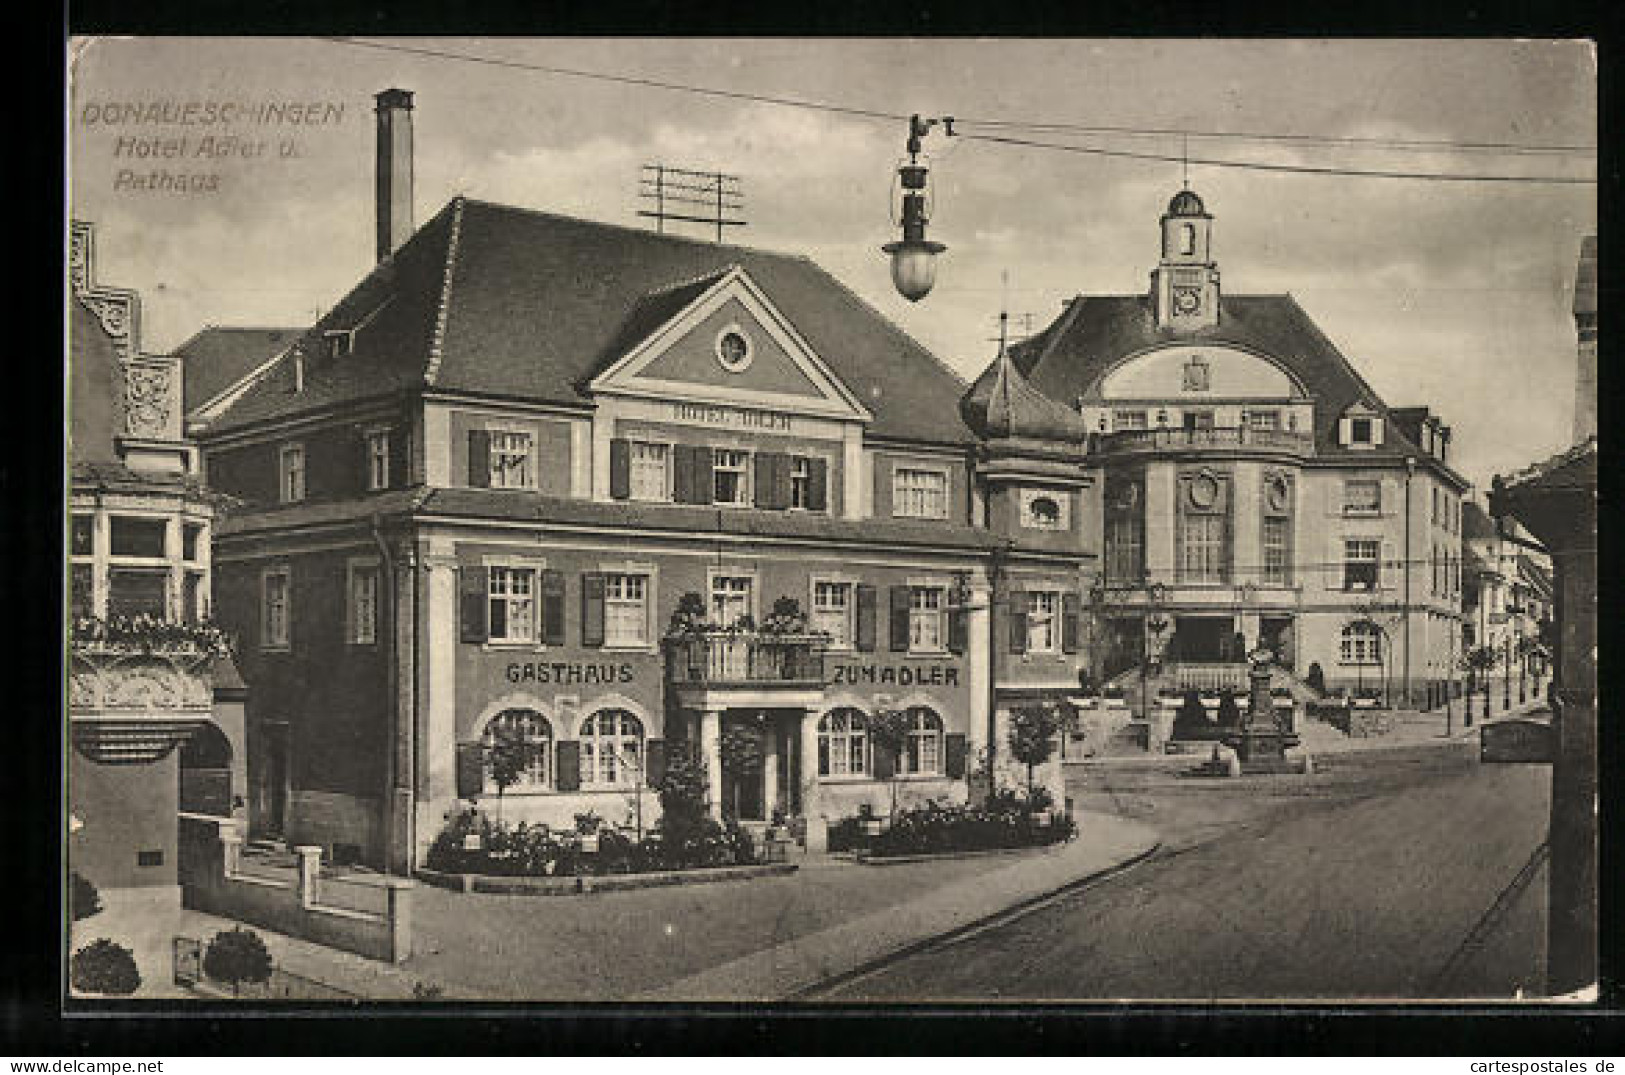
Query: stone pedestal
pixel 1261 743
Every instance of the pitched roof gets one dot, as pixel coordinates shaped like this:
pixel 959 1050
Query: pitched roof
pixel 1573 468
pixel 491 299
pixel 1070 356
pixel 1476 522
pixel 219 356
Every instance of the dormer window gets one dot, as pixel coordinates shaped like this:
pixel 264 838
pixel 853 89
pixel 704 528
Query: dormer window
pixel 1359 428
pixel 340 343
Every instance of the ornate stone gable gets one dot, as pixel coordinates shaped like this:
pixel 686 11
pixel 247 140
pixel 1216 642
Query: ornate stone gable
pixel 150 397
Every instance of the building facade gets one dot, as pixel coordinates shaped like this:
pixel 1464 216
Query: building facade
pixel 621 493
pixel 154 706
pixel 1255 490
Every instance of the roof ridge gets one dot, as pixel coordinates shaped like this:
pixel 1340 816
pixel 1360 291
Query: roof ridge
pixel 437 342
pixel 669 289
pixel 691 240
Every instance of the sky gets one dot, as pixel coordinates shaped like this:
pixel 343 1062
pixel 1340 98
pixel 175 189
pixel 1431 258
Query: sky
pixel 1450 294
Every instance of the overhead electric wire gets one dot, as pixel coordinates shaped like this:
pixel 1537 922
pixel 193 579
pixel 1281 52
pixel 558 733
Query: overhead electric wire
pixel 1369 141
pixel 1260 166
pixel 876 114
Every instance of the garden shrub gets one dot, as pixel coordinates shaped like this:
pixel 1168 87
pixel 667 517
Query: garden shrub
pixel 83 899
pixel 104 967
pixel 236 956
pixel 1009 819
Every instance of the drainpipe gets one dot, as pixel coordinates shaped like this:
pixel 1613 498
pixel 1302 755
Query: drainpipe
pixel 1410 471
pixel 995 575
pixel 399 774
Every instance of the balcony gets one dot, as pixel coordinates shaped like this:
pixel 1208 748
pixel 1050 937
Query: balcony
pixel 138 686
pixel 1131 441
pixel 739 659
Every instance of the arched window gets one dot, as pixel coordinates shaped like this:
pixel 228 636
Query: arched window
pixel 922 755
pixel 1187 238
pixel 1361 643
pixel 843 743
pixel 527 727
pixel 611 750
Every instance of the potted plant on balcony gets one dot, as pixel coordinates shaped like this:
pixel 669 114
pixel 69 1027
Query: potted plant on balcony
pixel 689 619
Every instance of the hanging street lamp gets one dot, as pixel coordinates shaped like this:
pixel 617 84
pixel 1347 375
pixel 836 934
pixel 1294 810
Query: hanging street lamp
pixel 914 258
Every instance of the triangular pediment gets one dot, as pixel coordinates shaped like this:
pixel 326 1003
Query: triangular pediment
pixel 721 340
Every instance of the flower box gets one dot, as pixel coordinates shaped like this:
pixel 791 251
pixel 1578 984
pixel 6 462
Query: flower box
pixel 589 844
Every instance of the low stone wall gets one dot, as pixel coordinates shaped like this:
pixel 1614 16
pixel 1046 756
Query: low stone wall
pixel 212 882
pixel 570 886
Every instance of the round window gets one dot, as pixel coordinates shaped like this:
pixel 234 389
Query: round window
pixel 733 349
pixel 1045 511
pixel 1278 493
pixel 1204 491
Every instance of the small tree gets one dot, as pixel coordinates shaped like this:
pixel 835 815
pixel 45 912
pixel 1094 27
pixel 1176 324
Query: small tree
pixel 683 790
pixel 236 956
pixel 510 755
pixel 104 967
pixel 1479 662
pixel 888 730
pixel 1033 729
pixel 83 899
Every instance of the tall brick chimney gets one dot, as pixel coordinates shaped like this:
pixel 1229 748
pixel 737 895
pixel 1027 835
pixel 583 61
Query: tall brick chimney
pixel 394 170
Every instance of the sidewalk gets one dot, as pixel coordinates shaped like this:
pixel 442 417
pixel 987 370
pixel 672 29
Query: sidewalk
pixel 794 967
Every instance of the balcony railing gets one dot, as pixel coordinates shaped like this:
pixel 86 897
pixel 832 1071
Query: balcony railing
pixel 1143 440
pixel 1210 676
pixel 740 659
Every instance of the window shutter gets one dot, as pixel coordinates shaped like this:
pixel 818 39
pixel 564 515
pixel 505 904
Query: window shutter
pixel 954 751
pixel 479 458
pixel 654 763
pixel 1376 431
pixel 781 480
pixel 705 482
pixel 1388 570
pixel 553 607
pixel 899 618
pixel 956 631
pixel 474 602
pixel 866 632
pixel 568 756
pixel 1345 431
pixel 400 457
pixel 1017 607
pixel 620 468
pixel 1070 614
pixel 470 770
pixel 765 494
pixel 817 484
pixel 682 474
pixel 885 760
pixel 592 609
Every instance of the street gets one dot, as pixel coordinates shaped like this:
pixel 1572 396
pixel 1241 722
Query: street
pixel 1411 875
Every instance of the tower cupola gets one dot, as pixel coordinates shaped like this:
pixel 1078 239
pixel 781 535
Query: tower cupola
pixel 1185 284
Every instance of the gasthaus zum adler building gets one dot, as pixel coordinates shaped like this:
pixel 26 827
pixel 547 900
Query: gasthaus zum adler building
pixel 489 488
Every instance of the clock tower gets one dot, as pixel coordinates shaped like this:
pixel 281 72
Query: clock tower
pixel 1185 284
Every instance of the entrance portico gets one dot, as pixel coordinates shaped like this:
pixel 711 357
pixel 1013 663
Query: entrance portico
pixel 751 703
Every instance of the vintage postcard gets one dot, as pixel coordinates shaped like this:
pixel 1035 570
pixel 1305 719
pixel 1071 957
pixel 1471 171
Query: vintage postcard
pixel 823 520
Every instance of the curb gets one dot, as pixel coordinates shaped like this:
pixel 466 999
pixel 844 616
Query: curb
pixel 1013 911
pixel 582 885
pixel 949 856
